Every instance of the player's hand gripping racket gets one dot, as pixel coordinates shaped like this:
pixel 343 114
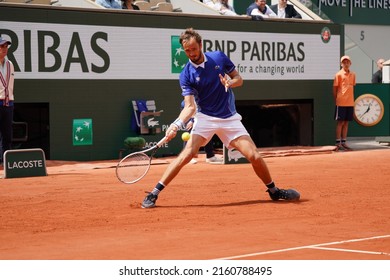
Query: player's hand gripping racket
pixel 134 166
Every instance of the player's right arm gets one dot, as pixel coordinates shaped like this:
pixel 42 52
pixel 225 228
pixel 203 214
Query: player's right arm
pixel 186 114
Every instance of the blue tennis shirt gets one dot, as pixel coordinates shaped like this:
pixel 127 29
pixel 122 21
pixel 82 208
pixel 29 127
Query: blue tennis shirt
pixel 204 83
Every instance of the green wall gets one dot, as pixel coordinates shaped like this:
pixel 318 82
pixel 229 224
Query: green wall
pixel 241 6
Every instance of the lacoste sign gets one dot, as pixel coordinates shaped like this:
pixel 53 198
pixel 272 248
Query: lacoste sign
pixel 24 163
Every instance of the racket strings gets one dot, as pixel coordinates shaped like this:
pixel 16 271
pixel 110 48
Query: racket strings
pixel 133 167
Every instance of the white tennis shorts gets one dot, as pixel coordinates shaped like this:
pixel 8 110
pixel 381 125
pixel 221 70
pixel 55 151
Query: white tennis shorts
pixel 226 129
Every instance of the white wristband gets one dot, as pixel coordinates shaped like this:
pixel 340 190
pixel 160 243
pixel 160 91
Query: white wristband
pixel 179 123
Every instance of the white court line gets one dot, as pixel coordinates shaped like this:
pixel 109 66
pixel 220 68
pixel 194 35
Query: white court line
pixel 352 251
pixel 303 247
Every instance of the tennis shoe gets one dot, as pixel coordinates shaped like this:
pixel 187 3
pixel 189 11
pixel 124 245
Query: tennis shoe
pixel 346 147
pixel 149 201
pixel 289 194
pixel 339 148
pixel 214 160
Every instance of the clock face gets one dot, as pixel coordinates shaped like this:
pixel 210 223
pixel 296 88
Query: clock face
pixel 368 110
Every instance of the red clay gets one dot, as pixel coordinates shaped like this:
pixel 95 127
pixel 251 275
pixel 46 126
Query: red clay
pixel 208 212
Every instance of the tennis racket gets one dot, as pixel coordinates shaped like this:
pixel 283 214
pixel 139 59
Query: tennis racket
pixel 134 166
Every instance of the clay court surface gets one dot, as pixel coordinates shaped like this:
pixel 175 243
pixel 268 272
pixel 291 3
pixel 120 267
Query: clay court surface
pixel 81 211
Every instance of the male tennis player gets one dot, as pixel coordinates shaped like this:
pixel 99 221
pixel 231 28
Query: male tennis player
pixel 206 83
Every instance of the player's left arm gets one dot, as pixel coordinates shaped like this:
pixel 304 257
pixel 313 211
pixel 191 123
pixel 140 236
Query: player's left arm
pixel 235 79
pixel 232 79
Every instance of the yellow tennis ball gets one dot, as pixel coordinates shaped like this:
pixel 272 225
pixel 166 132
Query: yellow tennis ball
pixel 185 136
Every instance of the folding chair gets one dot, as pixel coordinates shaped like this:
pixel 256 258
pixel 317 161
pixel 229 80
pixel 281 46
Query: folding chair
pixel 143 5
pixel 146 116
pixel 155 2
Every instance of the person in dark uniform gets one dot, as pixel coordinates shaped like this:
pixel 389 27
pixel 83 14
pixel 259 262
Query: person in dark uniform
pixel 377 76
pixel 284 10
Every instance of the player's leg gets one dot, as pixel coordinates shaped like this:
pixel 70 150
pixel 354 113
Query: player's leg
pixel 247 147
pixel 190 150
pixel 204 132
pixel 235 135
pixel 193 160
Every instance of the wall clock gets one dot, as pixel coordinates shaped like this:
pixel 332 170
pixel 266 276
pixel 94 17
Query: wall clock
pixel 368 110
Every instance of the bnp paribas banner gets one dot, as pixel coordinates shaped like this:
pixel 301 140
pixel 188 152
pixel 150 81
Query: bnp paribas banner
pixel 373 12
pixel 66 51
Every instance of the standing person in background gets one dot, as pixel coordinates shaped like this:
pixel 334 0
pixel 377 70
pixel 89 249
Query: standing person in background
pixel 343 94
pixel 7 74
pixel 260 8
pixel 206 82
pixel 377 76
pixel 284 10
pixel 109 4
